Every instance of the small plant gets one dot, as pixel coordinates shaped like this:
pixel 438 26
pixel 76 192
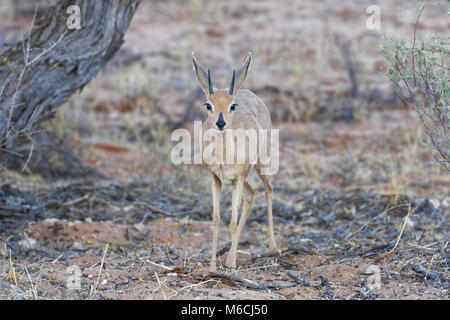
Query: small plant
pixel 421 70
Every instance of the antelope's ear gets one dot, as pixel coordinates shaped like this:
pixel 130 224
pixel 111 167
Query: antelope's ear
pixel 240 75
pixel 203 77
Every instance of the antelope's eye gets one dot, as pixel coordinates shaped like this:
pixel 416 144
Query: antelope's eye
pixel 208 106
pixel 233 106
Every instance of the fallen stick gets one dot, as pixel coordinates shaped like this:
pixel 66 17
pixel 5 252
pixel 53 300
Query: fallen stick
pixel 76 201
pixel 227 247
pixel 279 253
pixel 100 271
pixel 33 290
pixel 323 286
pixel 429 274
pixel 393 250
pixel 303 282
pixel 160 286
pixel 240 281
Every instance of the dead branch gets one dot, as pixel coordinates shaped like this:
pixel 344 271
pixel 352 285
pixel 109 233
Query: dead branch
pixel 240 281
pixel 54 62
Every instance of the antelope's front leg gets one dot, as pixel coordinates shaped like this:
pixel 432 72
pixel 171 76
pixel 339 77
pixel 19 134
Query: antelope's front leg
pixel 237 195
pixel 216 186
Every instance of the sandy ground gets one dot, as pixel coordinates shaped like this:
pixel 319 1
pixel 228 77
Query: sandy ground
pixel 136 255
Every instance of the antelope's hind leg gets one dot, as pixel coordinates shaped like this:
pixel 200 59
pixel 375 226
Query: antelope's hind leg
pixel 268 189
pixel 246 208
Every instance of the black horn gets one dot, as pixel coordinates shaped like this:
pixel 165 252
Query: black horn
pixel 232 83
pixel 211 90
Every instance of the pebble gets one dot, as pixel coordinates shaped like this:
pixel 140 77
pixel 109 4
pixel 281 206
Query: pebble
pixel 27 243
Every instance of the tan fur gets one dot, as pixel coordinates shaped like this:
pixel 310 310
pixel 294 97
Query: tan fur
pixel 250 113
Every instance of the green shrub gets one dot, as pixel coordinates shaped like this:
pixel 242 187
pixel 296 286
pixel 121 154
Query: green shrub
pixel 418 70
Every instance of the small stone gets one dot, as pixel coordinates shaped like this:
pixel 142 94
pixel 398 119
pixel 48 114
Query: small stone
pixel 409 223
pixel 77 245
pixel 51 220
pixel 435 203
pixel 27 243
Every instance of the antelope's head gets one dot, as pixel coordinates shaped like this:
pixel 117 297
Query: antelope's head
pixel 220 103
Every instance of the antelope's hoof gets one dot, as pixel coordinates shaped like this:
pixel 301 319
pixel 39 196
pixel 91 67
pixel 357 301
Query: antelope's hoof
pixel 272 247
pixel 230 264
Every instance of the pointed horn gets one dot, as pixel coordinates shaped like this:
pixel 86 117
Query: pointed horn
pixel 211 90
pixel 232 83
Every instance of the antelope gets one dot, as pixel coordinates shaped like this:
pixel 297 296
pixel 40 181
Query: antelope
pixel 230 109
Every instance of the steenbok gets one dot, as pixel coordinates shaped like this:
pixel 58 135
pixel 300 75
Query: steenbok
pixel 233 113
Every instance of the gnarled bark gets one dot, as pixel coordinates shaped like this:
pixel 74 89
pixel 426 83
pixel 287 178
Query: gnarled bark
pixel 42 72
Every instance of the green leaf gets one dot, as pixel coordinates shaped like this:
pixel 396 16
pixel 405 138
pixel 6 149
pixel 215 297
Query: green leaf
pixel 421 6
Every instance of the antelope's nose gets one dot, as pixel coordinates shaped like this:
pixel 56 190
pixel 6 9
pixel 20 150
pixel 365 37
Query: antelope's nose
pixel 220 122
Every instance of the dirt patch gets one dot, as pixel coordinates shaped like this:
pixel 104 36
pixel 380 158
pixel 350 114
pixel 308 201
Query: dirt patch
pixel 176 266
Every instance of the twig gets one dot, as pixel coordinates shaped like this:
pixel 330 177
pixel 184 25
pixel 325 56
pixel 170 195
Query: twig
pixel 7 243
pixel 100 271
pixel 260 267
pixel 160 286
pixel 48 49
pixel 27 63
pixel 239 281
pixel 189 287
pixel 384 212
pixel 187 111
pixel 414 40
pixel 302 282
pixel 56 260
pixel 327 288
pixel 157 264
pixel 30 153
pixel 76 201
pixel 281 252
pixel 403 227
pixel 12 271
pixel 227 247
pixel 32 286
pixel 390 252
pixel 365 293
pixel 346 55
pixel 324 285
pixel 422 247
pixel 26 51
pixel 428 274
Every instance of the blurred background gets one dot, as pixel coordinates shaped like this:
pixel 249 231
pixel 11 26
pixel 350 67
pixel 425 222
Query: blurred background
pixel 316 64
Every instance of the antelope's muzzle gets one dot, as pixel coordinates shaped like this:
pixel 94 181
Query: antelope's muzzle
pixel 220 122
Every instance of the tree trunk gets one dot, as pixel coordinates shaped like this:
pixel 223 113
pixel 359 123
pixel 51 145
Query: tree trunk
pixel 39 74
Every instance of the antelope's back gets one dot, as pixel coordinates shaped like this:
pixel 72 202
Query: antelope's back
pixel 251 109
